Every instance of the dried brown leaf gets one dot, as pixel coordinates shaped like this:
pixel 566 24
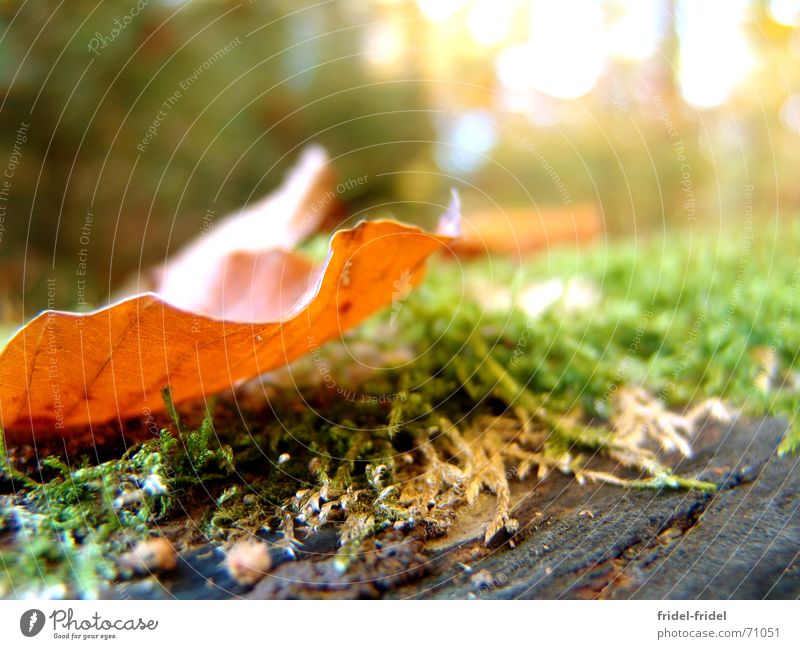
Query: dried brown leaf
pixel 235 304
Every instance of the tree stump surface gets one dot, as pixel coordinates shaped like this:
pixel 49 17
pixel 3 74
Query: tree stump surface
pixel 574 541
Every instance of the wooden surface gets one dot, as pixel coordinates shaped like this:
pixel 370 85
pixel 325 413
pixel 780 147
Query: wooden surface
pixel 592 541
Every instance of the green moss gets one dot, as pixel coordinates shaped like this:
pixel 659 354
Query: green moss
pixel 61 530
pixel 687 320
pixel 70 527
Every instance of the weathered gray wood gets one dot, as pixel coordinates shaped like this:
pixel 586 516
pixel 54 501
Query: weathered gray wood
pixel 592 541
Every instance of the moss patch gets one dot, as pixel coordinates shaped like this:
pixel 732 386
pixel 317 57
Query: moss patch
pixel 490 372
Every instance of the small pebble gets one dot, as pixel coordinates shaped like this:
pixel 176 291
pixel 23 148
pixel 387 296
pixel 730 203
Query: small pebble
pixel 248 561
pixel 151 555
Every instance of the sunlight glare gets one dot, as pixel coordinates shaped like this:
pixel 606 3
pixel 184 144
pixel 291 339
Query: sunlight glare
pixel 565 54
pixel 715 55
pixel 439 10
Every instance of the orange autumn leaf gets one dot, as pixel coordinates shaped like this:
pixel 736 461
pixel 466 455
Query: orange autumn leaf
pixel 520 231
pixel 233 305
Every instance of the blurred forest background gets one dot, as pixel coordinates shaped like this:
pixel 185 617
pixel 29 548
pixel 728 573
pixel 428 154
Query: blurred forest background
pixel 126 123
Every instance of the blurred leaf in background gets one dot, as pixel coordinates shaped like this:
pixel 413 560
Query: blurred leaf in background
pixel 144 120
